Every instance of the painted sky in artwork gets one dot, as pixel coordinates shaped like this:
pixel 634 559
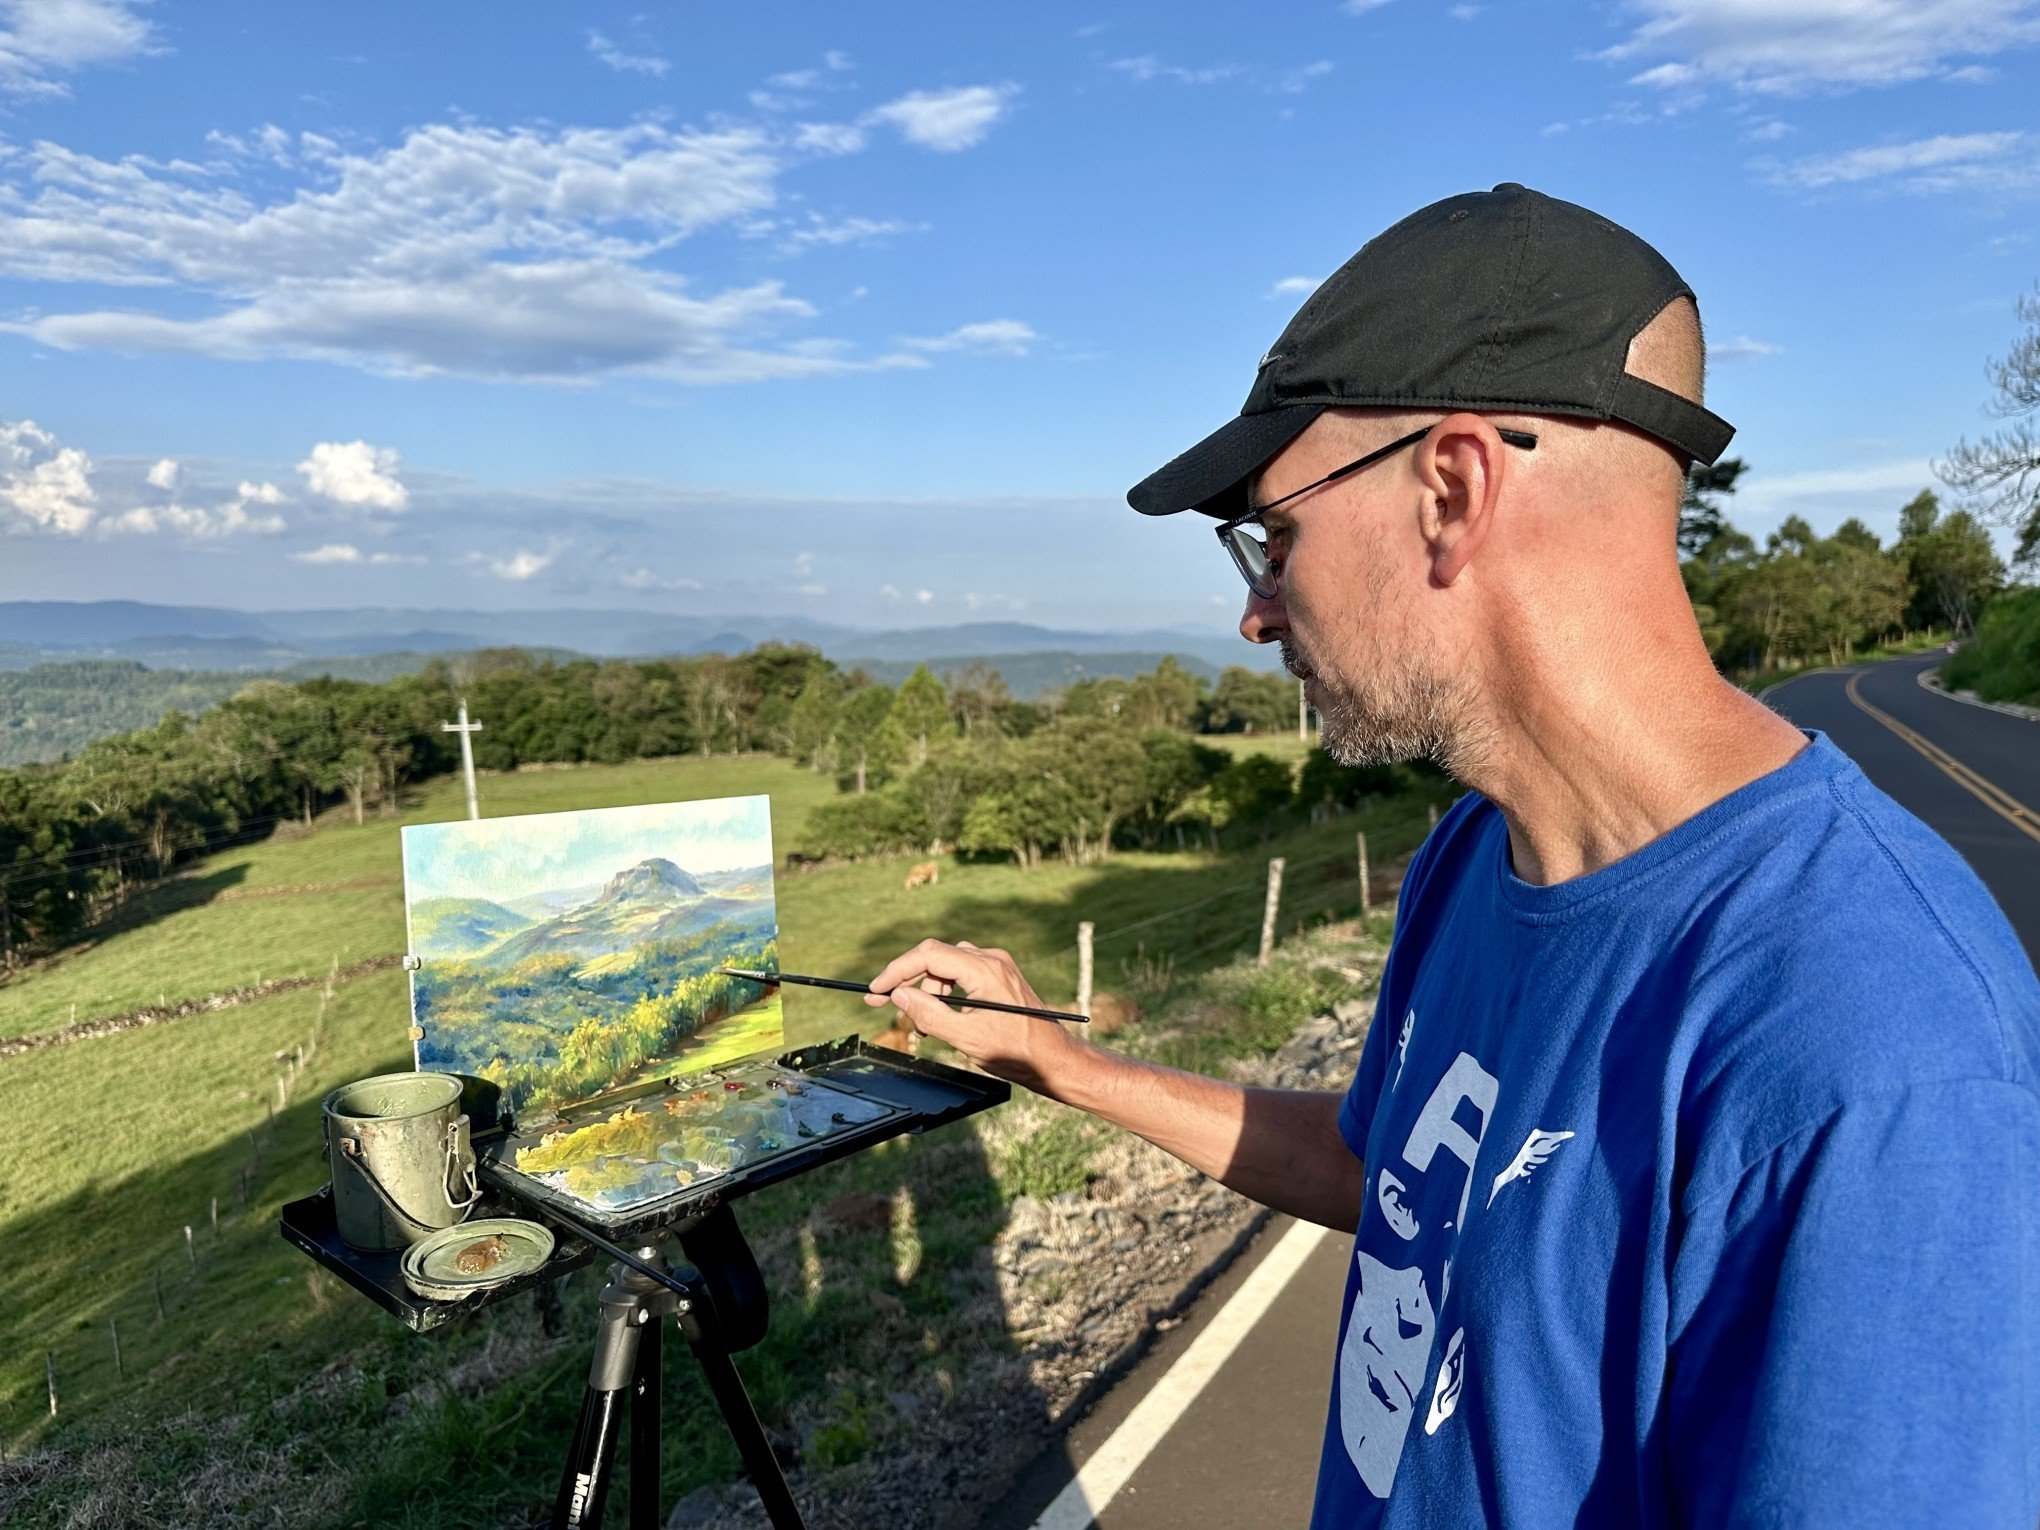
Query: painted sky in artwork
pixel 503 859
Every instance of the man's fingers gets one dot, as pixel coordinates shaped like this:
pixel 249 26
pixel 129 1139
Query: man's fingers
pixel 931 958
pixel 928 1015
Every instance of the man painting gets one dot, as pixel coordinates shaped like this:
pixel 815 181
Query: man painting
pixel 1694 1156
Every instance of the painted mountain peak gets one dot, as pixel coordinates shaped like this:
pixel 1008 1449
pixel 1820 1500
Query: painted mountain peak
pixel 594 964
pixel 655 879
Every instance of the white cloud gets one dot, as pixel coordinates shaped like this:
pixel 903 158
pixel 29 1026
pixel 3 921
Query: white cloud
pixel 1361 7
pixel 991 337
pixel 1785 48
pixel 1297 80
pixel 924 596
pixel 332 552
pixel 947 120
pixel 227 519
pixel 164 474
pixel 889 591
pixel 355 473
pixel 1742 348
pixel 1148 67
pixel 43 38
pixel 520 566
pixel 44 486
pixel 1946 162
pixel 1294 286
pixel 813 589
pixel 645 579
pixel 626 63
pixel 804 563
pixel 530 253
pixel 818 230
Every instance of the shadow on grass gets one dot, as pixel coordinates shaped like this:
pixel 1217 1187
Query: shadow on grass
pixel 268 1390
pixel 173 895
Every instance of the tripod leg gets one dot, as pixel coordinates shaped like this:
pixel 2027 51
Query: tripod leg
pixel 646 1400
pixel 584 1486
pixel 742 1420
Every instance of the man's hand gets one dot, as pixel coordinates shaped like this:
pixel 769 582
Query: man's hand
pixel 1017 1048
pixel 1281 1147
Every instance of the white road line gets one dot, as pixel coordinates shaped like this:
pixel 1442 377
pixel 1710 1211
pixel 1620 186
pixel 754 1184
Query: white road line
pixel 1098 1482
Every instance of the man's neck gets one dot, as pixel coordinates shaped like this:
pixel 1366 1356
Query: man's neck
pixel 1619 753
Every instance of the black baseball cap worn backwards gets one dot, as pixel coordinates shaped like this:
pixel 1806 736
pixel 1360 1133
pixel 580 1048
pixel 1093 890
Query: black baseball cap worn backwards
pixel 1505 300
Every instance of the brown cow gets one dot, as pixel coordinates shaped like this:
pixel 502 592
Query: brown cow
pixel 927 874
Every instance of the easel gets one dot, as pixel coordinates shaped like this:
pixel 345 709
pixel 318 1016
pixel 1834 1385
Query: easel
pixel 719 1300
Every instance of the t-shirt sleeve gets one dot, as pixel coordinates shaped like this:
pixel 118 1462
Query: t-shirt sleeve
pixel 1856 1323
pixel 1356 1111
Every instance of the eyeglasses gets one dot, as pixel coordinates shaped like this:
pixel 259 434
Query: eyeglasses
pixel 1262 572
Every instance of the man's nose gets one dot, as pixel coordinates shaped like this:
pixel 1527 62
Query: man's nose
pixel 1264 620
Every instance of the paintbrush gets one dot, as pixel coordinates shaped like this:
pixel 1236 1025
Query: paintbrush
pixel 953 1000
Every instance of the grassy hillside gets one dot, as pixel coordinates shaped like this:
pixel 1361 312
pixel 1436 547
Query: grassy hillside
pixel 292 904
pixel 110 1148
pixel 2003 663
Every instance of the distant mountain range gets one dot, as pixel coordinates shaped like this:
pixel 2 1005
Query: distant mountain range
pixel 206 637
pixel 71 672
pixel 651 901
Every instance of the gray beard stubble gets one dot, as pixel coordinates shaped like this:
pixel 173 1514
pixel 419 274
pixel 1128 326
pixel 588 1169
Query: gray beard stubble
pixel 1399 713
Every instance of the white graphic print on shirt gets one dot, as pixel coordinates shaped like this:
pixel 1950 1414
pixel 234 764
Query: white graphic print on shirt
pixel 1386 1354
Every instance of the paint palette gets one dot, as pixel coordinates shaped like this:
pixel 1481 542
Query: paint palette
pixel 689 1133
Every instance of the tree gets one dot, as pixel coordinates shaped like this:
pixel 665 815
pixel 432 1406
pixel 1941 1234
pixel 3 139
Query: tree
pixel 978 696
pixel 812 723
pixel 1167 696
pixel 920 712
pixel 1700 517
pixel 2002 468
pixel 1953 567
pixel 860 732
pixel 1250 701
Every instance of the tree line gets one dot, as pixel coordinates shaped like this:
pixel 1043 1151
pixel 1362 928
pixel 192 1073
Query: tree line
pixel 79 837
pixel 1803 598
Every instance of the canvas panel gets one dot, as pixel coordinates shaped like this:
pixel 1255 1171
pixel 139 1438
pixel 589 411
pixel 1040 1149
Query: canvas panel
pixel 565 955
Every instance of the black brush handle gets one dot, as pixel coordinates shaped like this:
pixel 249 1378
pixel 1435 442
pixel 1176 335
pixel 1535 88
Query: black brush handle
pixel 954 1001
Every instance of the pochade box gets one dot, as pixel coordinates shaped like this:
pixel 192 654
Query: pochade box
pixel 565 967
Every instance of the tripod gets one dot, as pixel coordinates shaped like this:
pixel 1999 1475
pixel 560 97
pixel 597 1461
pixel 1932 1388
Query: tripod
pixel 719 1300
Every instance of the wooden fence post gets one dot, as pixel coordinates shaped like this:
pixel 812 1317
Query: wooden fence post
pixel 1084 933
pixel 1366 901
pixel 1433 811
pixel 190 1248
pixel 50 1372
pixel 1268 914
pixel 119 1366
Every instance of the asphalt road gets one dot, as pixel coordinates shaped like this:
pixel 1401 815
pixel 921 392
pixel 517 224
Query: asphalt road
pixel 1244 1452
pixel 2002 750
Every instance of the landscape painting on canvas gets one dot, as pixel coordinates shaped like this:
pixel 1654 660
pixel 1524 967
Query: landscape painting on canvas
pixel 563 955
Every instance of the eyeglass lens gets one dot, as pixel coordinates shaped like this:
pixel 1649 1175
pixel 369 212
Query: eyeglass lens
pixel 1251 554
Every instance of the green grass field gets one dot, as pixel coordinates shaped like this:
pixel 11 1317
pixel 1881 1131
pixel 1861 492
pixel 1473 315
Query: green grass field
pixel 289 905
pixel 110 1147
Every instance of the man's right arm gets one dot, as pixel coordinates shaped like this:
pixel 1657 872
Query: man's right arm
pixel 1280 1147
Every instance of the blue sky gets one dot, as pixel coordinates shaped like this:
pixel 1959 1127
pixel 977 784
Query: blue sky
pixel 871 315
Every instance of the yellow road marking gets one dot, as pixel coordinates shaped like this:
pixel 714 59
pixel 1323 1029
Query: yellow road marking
pixel 1991 795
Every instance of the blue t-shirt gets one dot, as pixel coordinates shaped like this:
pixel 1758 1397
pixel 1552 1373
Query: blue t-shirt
pixel 1702 1190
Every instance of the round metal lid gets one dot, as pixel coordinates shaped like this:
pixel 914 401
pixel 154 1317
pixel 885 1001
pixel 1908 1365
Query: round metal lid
pixel 468 1257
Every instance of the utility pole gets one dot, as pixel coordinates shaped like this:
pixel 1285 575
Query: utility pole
pixel 1302 714
pixel 467 753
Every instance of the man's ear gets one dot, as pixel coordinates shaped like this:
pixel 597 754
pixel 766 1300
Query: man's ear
pixel 1460 467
